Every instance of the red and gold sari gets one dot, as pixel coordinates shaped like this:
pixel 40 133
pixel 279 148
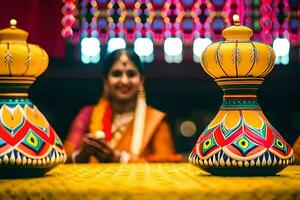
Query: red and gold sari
pixel 156 143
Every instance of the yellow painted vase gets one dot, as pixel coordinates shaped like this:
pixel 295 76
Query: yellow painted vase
pixel 29 145
pixel 240 141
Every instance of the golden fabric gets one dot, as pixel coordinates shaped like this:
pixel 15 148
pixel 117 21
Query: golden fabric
pixel 149 181
pixel 157 140
pixel 157 143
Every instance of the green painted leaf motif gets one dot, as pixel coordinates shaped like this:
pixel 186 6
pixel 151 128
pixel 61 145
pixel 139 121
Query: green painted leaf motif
pixel 205 63
pixel 219 56
pixel 236 56
pixel 270 62
pixel 8 58
pixel 204 59
pixel 28 60
pixel 254 56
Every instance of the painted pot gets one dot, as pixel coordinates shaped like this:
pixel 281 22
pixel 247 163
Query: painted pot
pixel 29 146
pixel 240 140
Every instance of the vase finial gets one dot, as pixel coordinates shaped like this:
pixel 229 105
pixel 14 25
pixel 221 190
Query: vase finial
pixel 13 23
pixel 236 19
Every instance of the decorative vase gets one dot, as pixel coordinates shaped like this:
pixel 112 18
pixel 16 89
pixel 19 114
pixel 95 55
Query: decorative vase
pixel 29 145
pixel 240 141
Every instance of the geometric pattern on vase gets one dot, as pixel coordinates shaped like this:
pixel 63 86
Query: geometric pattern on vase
pixel 27 137
pixel 240 140
pixel 33 141
pixel 26 131
pixel 244 138
pixel 2 142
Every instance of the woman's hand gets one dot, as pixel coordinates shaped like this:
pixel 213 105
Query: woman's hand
pixel 97 147
pixel 83 155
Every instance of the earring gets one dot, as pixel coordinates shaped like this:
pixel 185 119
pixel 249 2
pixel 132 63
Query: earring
pixel 139 122
pixel 141 92
pixel 105 91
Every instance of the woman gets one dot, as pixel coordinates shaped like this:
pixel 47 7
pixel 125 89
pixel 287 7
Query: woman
pixel 121 127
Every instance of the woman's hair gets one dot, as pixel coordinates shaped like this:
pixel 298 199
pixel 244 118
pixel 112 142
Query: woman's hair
pixel 115 55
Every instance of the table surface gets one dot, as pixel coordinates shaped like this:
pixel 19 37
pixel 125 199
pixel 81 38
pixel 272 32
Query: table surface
pixel 149 181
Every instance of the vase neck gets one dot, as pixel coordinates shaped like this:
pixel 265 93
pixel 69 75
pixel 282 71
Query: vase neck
pixel 15 87
pixel 13 101
pixel 240 93
pixel 240 101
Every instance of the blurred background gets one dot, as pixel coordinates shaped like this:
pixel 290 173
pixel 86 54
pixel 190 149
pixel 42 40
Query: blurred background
pixel 169 36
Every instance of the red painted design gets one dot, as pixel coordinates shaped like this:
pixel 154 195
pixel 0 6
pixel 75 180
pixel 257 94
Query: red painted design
pixel 107 122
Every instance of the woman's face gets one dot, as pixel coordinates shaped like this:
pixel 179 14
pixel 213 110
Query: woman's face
pixel 123 80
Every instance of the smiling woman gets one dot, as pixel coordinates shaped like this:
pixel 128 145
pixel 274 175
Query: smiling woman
pixel 123 80
pixel 121 127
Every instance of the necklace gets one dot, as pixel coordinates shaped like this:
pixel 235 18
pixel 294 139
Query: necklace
pixel 121 120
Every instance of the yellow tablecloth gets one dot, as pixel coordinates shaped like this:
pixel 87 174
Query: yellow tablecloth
pixel 149 181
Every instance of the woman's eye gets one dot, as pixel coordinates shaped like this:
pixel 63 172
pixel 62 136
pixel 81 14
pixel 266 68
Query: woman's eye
pixel 116 73
pixel 131 73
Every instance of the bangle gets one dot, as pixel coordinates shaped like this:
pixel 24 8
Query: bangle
pixel 74 155
pixel 124 157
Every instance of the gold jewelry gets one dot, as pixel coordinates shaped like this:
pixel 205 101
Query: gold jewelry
pixel 124 58
pixel 121 120
pixel 118 127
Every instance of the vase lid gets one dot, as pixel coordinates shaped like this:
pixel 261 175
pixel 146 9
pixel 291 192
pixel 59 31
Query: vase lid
pixel 19 58
pixel 237 31
pixel 13 33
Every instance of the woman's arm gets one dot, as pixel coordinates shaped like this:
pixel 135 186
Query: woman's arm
pixel 78 128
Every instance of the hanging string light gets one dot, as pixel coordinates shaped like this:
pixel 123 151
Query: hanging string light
pixel 157 20
pixel 129 21
pixel 200 14
pixel 173 37
pixel 69 12
pixel 94 21
pixel 231 8
pixel 246 11
pixel 218 18
pixel 202 32
pixel 187 22
pixel 90 44
pixel 143 44
pixel 293 22
pixel 190 22
pixel 266 21
pixel 281 44
pixel 102 25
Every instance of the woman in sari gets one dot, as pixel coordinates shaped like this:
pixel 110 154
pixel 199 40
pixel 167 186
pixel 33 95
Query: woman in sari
pixel 121 127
